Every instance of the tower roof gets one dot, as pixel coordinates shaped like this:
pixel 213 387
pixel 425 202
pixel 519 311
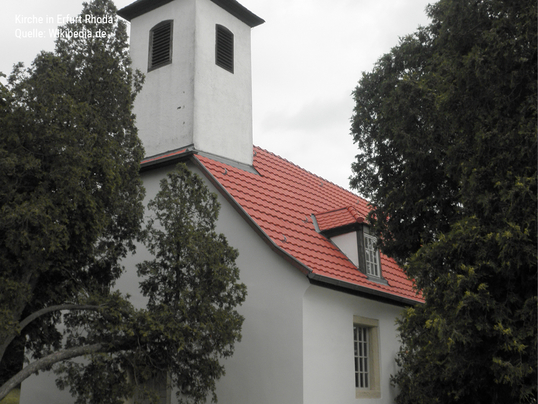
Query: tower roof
pixel 140 7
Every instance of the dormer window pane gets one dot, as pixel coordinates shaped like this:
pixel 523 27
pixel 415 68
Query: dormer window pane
pixel 371 256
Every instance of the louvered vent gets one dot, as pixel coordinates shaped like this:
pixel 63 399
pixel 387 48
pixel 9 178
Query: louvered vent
pixel 160 52
pixel 224 52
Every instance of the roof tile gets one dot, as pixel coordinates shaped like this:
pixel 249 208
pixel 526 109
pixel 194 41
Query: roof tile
pixel 283 196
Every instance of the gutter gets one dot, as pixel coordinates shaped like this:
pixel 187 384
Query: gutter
pixel 359 290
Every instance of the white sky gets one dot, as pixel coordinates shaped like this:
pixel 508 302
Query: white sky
pixel 306 58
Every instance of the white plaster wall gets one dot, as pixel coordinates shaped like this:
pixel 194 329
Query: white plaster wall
pixel 165 107
pixel 223 100
pixel 347 243
pixel 266 367
pixel 328 345
pixel 297 344
pixel 192 100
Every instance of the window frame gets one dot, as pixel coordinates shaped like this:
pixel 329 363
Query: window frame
pixel 371 326
pixel 362 233
pixel 361 345
pixel 373 252
pixel 168 60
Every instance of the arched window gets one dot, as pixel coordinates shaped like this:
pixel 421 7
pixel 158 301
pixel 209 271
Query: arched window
pixel 224 48
pixel 160 45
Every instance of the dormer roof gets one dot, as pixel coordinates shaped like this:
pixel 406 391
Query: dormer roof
pixel 278 199
pixel 339 221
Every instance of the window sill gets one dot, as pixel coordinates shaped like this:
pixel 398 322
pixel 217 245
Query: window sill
pixel 363 393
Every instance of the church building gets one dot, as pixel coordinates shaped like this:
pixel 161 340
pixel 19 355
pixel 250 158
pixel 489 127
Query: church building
pixel 322 300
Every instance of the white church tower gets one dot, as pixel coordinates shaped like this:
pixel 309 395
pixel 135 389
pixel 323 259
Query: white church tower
pixel 196 57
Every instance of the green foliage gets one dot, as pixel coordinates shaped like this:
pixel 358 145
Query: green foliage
pixel 190 321
pixel 70 193
pixel 70 211
pixel 193 282
pixel 446 129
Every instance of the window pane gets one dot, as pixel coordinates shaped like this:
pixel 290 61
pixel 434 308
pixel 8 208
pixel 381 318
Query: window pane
pixel 371 256
pixel 361 356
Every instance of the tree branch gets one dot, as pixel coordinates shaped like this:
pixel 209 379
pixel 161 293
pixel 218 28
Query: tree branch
pixel 40 313
pixel 58 307
pixel 45 362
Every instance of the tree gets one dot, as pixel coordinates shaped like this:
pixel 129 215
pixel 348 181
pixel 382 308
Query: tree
pixel 190 321
pixel 70 192
pixel 446 129
pixel 192 284
pixel 71 210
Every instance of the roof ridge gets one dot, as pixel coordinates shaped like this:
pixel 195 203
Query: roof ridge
pixel 356 214
pixel 352 210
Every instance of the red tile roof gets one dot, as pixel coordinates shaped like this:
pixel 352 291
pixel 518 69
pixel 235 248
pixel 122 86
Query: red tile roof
pixel 339 218
pixel 162 157
pixel 280 200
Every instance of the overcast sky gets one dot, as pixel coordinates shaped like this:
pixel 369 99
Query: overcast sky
pixel 307 58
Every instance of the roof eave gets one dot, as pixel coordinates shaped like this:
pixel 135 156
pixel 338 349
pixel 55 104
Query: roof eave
pixel 362 290
pixel 337 231
pixel 240 11
pixel 140 7
pixel 164 159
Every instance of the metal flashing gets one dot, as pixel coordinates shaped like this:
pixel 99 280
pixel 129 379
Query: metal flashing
pixel 233 163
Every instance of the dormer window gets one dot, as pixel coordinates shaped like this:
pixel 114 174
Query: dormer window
pixel 371 256
pixel 224 48
pixel 347 229
pixel 160 45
